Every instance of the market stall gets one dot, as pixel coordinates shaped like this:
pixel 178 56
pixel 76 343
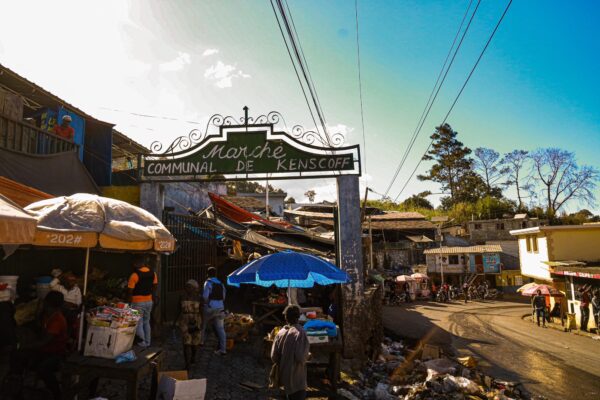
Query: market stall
pixel 290 270
pixel 422 285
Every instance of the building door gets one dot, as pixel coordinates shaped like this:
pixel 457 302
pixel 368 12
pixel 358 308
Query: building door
pixel 479 263
pixel 196 252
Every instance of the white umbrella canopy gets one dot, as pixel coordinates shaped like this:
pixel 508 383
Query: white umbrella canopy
pixel 404 278
pixel 85 220
pixel 16 226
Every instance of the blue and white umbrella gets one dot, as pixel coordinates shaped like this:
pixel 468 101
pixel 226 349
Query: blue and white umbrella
pixel 288 269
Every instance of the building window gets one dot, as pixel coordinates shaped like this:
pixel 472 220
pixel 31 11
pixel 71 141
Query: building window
pixel 500 226
pixel 477 226
pixel 528 244
pixel 453 260
pixel 534 244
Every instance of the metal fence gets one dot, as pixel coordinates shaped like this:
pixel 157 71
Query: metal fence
pixel 196 252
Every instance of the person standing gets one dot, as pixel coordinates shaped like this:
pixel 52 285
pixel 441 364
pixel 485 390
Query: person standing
pixel 596 309
pixel 67 285
pixel 214 309
pixel 465 289
pixel 539 306
pixel 141 287
pixel 289 354
pixel 584 307
pixel 64 130
pixel 189 321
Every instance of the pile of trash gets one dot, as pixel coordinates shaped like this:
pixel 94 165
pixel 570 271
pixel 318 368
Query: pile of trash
pixel 403 373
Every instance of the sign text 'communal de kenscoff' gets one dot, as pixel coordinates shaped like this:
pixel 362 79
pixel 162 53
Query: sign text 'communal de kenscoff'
pixel 251 151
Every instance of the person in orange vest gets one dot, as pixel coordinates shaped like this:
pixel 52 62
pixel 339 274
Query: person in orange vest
pixel 65 130
pixel 141 287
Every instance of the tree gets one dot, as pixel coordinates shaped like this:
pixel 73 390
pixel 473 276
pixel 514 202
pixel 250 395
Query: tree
pixel 515 162
pixel 310 194
pixel 418 201
pixel 562 179
pixel 489 165
pixel 290 200
pixel 451 158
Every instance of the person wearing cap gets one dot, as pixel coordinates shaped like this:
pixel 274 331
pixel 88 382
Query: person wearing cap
pixel 289 354
pixel 65 130
pixel 189 321
pixel 214 308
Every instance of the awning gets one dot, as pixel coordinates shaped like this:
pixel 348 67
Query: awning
pixel 22 195
pixel 589 272
pixel 419 239
pixel 59 174
pixel 563 263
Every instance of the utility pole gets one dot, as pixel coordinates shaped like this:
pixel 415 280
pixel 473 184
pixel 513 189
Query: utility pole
pixel 441 263
pixel 267 200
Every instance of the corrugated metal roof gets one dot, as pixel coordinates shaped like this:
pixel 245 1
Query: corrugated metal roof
pixel 397 215
pixel 486 248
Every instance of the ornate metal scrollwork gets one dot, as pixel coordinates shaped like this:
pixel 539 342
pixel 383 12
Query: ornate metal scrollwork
pixel 273 118
pixel 311 136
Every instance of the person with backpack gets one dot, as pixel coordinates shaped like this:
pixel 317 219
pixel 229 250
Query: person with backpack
pixel 141 287
pixel 214 308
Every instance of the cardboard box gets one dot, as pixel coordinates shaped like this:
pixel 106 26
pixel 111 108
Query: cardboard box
pixel 107 342
pixel 175 385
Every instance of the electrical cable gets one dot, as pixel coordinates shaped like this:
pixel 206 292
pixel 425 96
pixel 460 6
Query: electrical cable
pixel 431 100
pixel 459 93
pixel 362 116
pixel 294 65
pixel 311 89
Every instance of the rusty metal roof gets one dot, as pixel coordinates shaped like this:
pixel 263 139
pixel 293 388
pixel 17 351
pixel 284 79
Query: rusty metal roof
pixel 486 248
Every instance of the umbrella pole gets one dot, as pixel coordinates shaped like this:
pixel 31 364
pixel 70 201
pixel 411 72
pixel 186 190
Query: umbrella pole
pixel 82 313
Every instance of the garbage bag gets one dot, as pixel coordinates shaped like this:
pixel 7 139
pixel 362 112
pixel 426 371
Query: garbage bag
pixel 439 366
pixel 128 356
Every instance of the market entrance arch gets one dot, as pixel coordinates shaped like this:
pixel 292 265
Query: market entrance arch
pixel 263 148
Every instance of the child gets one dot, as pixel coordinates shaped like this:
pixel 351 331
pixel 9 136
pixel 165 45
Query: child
pixel 190 321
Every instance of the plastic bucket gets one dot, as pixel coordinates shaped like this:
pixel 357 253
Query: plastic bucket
pixel 11 280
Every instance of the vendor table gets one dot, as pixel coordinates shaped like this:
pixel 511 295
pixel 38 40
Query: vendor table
pixel 268 313
pixel 90 369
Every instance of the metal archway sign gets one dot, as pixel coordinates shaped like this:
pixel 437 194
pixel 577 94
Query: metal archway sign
pixel 250 148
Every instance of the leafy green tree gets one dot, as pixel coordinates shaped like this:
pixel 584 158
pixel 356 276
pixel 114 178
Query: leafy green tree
pixel 310 195
pixel 418 201
pixel 452 161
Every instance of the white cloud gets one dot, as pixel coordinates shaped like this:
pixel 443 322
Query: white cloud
pixel 210 52
pixel 223 74
pixel 178 63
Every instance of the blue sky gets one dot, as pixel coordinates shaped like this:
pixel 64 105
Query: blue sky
pixel 536 86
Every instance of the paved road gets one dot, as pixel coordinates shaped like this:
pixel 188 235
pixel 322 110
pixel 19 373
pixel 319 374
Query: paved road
pixel 548 362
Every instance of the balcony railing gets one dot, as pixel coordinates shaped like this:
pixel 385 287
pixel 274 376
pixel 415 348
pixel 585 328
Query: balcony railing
pixel 25 138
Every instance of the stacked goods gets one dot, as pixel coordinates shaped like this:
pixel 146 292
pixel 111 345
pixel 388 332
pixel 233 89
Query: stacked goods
pixel 237 326
pixel 114 317
pixel 111 331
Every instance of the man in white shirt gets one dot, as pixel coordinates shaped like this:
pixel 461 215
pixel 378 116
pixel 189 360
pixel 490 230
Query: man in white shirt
pixel 67 285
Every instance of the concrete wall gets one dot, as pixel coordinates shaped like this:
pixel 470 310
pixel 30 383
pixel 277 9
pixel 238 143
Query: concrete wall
pixel 483 231
pixel 576 244
pixel 129 194
pixel 532 262
pixel 508 246
pixel 193 195
pixel 435 263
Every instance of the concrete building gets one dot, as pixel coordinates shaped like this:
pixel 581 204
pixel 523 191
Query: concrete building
pixel 566 257
pixel 456 264
pixel 486 230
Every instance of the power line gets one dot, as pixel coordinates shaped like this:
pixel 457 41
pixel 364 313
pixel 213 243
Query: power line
pixel 362 116
pixel 294 65
pixel 303 69
pixel 459 93
pixel 432 96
